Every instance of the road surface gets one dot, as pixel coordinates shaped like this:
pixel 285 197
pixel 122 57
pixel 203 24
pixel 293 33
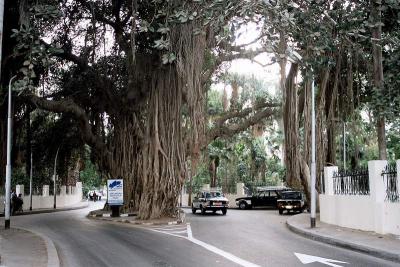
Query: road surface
pixel 241 238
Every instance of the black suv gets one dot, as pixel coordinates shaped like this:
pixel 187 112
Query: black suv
pixel 265 197
pixel 292 201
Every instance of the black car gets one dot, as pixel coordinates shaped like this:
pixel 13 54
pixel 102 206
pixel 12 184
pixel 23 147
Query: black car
pixel 266 197
pixel 291 201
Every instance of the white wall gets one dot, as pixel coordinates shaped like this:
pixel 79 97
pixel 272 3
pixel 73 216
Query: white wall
pixel 47 202
pixel 369 213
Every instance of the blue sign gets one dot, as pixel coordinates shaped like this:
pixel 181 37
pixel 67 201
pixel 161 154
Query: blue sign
pixel 115 192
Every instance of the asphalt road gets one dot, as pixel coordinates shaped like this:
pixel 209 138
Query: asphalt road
pixel 241 238
pixel 261 237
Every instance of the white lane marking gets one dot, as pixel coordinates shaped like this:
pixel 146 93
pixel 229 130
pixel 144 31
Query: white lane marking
pixel 169 229
pixel 209 247
pixel 218 251
pixel 178 232
pixel 189 231
pixel 306 259
pixel 167 233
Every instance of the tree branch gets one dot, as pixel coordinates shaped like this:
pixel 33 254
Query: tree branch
pixel 68 106
pixel 222 130
pixel 243 113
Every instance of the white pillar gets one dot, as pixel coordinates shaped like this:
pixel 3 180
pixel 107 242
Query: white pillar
pixel 19 189
pixel 328 179
pixel 240 189
pixel 63 190
pixel 46 190
pixel 376 184
pixel 377 193
pixel 79 189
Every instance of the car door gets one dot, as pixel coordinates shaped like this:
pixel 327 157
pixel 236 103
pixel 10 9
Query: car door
pixel 262 199
pixel 257 200
pixel 272 198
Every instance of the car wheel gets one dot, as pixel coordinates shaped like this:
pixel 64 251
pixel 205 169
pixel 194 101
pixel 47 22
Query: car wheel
pixel 224 211
pixel 242 205
pixel 203 210
pixel 280 211
pixel 194 210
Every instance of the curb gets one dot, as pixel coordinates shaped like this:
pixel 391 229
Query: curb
pixel 33 212
pixel 52 255
pixel 344 244
pixel 101 217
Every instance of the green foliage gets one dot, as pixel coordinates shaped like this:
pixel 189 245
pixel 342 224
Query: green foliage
pixel 214 103
pixel 90 177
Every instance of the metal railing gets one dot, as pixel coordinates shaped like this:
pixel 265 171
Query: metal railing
pixel 351 182
pixel 389 176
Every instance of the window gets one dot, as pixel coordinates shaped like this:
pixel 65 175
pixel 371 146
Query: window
pixel 273 194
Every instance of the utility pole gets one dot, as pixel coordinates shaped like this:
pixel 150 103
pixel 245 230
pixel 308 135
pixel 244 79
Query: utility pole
pixel 313 167
pixel 30 182
pixel 1 31
pixel 8 166
pixel 55 177
pixel 344 145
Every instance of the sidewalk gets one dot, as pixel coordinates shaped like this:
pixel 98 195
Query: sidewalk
pixel 382 246
pixel 20 247
pixel 81 205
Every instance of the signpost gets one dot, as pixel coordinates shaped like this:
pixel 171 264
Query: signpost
pixel 115 195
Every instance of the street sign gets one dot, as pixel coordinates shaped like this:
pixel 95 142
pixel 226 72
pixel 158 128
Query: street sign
pixel 306 259
pixel 115 192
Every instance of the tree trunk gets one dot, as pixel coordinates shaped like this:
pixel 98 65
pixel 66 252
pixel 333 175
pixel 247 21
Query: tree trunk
pixel 378 72
pixel 292 155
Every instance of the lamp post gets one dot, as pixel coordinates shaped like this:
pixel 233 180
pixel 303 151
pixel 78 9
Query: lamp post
pixel 30 182
pixel 344 145
pixel 8 166
pixel 313 166
pixel 55 177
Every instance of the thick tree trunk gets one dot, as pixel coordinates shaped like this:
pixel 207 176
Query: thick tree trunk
pixel 292 155
pixel 282 85
pixel 378 71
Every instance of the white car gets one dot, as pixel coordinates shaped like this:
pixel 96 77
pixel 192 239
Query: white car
pixel 210 200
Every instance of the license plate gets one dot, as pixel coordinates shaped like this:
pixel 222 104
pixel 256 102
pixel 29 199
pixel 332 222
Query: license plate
pixel 289 207
pixel 217 203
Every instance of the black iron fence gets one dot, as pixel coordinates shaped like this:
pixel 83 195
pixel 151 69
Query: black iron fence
pixel 351 182
pixel 389 176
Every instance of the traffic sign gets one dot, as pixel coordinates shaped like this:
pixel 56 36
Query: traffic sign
pixel 115 192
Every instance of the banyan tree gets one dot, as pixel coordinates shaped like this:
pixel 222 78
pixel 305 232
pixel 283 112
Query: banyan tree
pixel 134 76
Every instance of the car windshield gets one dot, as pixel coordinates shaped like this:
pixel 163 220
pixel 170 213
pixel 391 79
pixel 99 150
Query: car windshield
pixel 291 195
pixel 213 194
